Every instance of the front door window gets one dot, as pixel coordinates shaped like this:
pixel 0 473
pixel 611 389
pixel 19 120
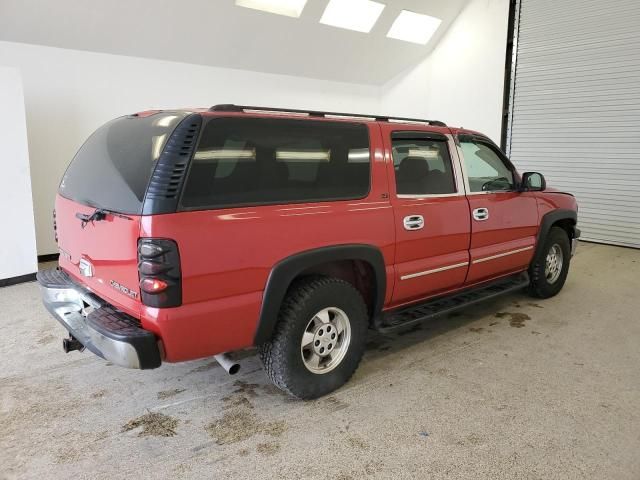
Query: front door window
pixel 486 171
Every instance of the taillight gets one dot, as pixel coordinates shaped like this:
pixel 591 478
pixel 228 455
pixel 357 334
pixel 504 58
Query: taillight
pixel 159 272
pixel 153 285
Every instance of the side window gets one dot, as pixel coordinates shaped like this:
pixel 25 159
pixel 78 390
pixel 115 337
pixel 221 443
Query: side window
pixel 485 169
pixel 422 167
pixel 253 161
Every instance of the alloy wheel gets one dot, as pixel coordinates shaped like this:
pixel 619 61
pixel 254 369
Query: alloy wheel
pixel 553 263
pixel 325 340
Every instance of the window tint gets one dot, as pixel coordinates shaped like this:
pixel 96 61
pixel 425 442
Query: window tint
pixel 485 169
pixel 113 167
pixel 244 161
pixel 422 167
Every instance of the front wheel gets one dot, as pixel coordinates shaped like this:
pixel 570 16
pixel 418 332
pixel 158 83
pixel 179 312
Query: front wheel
pixel 319 338
pixel 549 270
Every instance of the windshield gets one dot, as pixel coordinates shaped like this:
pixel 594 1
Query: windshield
pixel 113 167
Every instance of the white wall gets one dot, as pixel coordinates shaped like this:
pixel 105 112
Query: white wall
pixel 70 93
pixel 461 82
pixel 18 241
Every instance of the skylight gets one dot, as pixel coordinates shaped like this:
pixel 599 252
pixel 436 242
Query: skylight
pixel 358 15
pixel 414 27
pixel 290 8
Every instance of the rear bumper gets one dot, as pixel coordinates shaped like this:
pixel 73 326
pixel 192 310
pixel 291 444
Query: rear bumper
pixel 100 327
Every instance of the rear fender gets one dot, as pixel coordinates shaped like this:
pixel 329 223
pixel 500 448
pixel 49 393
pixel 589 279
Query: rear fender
pixel 284 272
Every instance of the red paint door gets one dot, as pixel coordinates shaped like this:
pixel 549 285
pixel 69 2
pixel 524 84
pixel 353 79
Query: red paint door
pixel 504 222
pixel 431 213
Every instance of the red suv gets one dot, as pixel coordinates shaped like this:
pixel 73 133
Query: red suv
pixel 187 234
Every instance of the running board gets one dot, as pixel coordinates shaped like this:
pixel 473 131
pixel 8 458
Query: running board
pixel 443 305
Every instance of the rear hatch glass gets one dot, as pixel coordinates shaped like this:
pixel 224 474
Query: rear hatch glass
pixel 113 167
pixel 111 171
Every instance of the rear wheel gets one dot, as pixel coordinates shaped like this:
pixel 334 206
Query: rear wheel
pixel 549 270
pixel 319 338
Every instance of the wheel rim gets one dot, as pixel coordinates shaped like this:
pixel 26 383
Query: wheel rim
pixel 325 340
pixel 553 264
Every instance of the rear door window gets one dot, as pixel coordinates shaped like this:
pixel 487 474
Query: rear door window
pixel 253 161
pixel 422 167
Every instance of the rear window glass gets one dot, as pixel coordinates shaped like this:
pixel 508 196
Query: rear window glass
pixel 113 167
pixel 422 167
pixel 248 161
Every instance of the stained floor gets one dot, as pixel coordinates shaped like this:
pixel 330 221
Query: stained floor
pixel 515 388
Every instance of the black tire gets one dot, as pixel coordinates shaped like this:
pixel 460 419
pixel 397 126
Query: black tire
pixel 541 286
pixel 282 356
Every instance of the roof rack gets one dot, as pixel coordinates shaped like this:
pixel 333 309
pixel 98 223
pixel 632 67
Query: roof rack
pixel 314 113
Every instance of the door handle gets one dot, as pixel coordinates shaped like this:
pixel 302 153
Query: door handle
pixel 481 214
pixel 413 222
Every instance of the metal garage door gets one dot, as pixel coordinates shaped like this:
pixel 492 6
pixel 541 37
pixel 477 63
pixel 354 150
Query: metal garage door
pixel 575 108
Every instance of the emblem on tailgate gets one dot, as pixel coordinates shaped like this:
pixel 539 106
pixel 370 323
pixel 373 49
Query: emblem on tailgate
pixel 122 289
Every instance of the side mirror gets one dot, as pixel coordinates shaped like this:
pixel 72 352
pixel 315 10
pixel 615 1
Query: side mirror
pixel 533 182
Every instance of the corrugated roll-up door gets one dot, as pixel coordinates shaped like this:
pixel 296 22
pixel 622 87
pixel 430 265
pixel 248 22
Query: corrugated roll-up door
pixel 575 111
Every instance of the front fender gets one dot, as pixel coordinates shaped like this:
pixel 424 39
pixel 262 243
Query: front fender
pixel 548 220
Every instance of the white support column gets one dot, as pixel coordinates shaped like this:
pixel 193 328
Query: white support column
pixel 17 238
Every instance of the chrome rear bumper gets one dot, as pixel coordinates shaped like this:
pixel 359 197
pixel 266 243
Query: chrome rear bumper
pixel 98 326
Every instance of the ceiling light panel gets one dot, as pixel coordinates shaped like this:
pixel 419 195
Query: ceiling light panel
pixel 290 8
pixel 414 27
pixel 358 15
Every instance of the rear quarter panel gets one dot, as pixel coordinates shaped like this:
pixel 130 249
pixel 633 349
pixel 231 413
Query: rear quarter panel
pixel 227 255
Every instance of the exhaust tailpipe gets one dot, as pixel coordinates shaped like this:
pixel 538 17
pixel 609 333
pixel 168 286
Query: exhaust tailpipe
pixel 229 364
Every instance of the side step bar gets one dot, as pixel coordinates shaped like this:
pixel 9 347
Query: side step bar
pixel 443 305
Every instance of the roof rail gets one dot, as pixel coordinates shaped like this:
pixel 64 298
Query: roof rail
pixel 314 113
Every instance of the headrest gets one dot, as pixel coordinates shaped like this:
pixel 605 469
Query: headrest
pixel 413 168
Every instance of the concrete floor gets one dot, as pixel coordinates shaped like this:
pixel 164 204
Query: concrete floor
pixel 471 396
